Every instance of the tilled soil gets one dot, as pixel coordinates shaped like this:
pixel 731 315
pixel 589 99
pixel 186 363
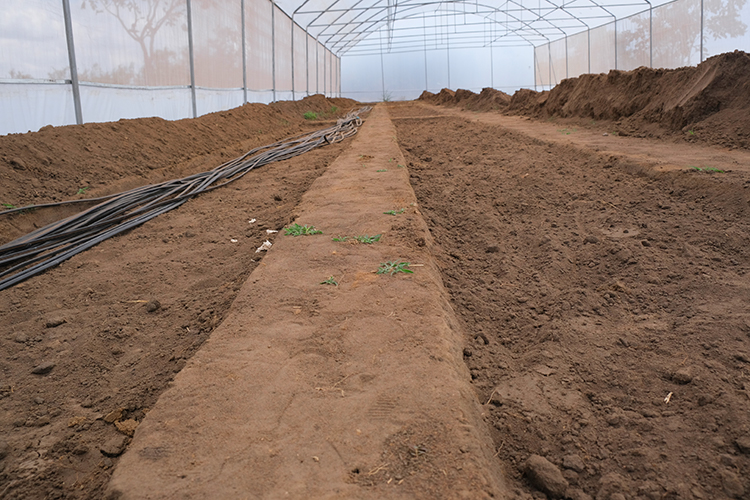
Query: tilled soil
pixel 604 306
pixel 114 324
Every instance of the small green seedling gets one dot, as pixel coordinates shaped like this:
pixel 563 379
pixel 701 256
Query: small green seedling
pixel 9 206
pixel 340 238
pixel 392 267
pixel 333 110
pixel 691 132
pixel 83 189
pixel 368 240
pixel 297 230
pixel 400 166
pixel 395 212
pixel 330 281
pixel 382 170
pixel 707 169
pixel 311 115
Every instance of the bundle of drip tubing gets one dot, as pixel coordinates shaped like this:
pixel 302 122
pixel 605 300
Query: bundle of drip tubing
pixel 50 245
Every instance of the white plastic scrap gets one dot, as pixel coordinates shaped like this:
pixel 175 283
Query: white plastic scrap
pixel 271 231
pixel 234 240
pixel 265 246
pixel 251 221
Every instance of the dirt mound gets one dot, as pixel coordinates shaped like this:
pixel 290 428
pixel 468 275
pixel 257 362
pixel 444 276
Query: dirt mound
pixel 715 93
pixel 708 103
pixel 488 100
pixel 77 161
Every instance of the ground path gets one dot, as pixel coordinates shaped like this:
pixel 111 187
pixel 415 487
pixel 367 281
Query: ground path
pixel 313 391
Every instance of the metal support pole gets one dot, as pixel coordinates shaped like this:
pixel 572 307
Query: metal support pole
pixel 307 64
pixel 293 96
pixel 701 30
pixel 588 41
pixel 244 55
pixel 650 36
pixel 325 68
pixel 549 62
pixel 448 53
pixel 273 49
pixel 317 66
pixel 615 43
pixel 191 55
pixel 382 66
pixel 534 69
pixel 72 62
pixel 492 68
pixel 567 74
pixel 424 46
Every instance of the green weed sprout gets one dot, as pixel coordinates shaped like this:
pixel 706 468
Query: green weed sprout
pixel 340 238
pixel 330 281
pixel 83 189
pixel 382 170
pixel 297 230
pixel 9 206
pixel 392 267
pixel 311 115
pixel 395 212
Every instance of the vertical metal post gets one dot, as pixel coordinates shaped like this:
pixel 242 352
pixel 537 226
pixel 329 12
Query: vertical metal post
pixel 325 68
pixel 382 67
pixel 535 69
pixel 701 30
pixel 293 96
pixel 424 45
pixel 588 41
pixel 244 54
pixel 191 55
pixel 273 49
pixel 615 43
pixel 549 62
pixel 567 75
pixel 492 67
pixel 650 36
pixel 317 65
pixel 72 62
pixel 448 53
pixel 307 63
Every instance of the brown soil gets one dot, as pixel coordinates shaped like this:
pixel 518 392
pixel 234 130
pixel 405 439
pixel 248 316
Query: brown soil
pixel 709 103
pixel 90 317
pixel 589 290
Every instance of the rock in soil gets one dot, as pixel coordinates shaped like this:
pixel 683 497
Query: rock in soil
pixel 545 476
pixel 153 305
pixel 43 368
pixel 114 446
pixel 732 484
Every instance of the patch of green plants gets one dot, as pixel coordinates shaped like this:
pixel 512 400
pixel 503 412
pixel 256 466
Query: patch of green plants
pixel 567 131
pixel 400 166
pixel 395 212
pixel 330 281
pixel 297 230
pixel 9 206
pixel 707 169
pixel 311 115
pixel 83 189
pixel 368 240
pixel 691 132
pixel 333 110
pixel 382 170
pixel 392 267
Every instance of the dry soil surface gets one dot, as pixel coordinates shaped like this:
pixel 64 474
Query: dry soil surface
pixel 604 305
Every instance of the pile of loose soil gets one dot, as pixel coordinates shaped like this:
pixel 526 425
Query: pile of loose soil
pixel 708 103
pixel 89 346
pixel 604 306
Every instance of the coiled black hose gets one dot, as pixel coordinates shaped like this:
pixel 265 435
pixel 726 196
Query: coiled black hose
pixel 48 246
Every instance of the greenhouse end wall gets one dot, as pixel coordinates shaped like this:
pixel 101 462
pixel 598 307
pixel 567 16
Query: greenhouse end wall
pixel 132 63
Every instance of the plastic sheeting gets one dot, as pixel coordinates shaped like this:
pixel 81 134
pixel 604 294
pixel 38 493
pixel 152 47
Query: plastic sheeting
pixel 135 62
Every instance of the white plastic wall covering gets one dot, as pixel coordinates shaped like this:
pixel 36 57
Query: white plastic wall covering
pixel 244 53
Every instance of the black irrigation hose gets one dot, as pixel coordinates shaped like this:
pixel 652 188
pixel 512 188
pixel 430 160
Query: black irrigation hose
pixel 50 245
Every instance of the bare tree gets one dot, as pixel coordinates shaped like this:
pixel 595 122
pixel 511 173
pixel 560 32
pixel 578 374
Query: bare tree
pixel 142 20
pixel 679 26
